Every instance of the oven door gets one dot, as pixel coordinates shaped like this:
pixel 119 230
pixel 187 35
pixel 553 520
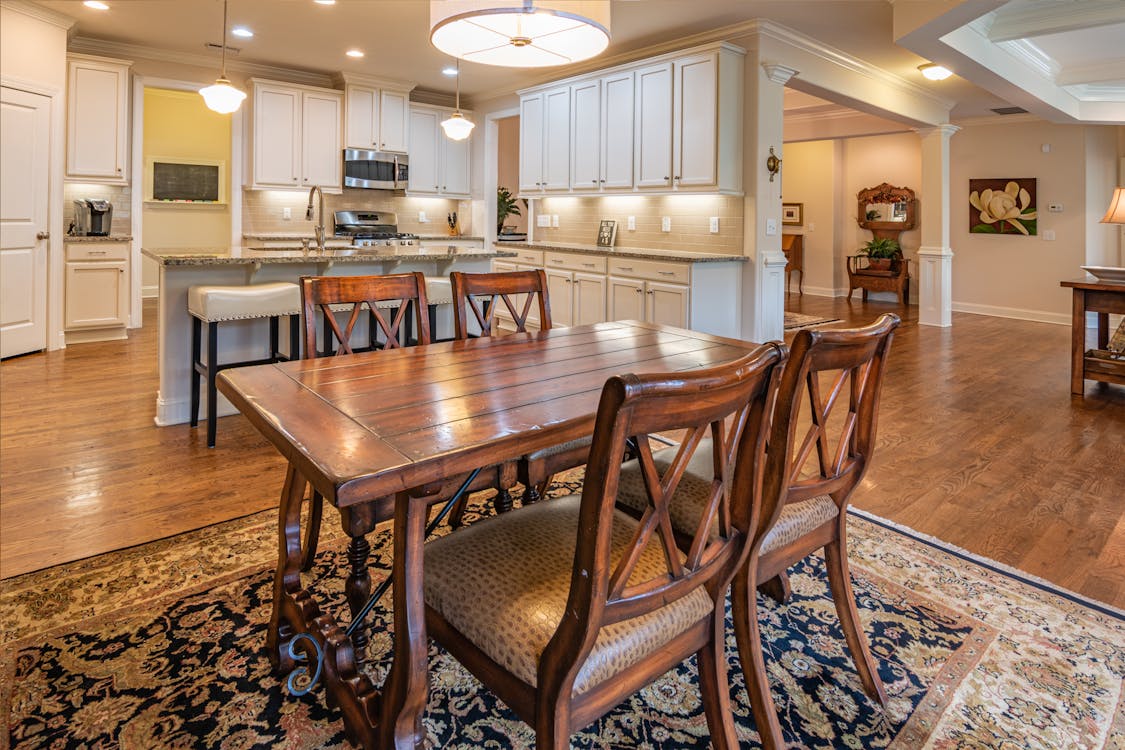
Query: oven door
pixel 375 169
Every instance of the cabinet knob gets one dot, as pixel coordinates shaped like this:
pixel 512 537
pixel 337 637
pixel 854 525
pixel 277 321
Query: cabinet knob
pixel 294 179
pixel 602 180
pixel 676 177
pixel 121 270
pixel 42 235
pixel 639 290
pixel 650 291
pixel 594 181
pixel 666 177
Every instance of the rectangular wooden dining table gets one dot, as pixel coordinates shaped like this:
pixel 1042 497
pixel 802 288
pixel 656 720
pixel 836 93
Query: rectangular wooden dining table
pixel 376 433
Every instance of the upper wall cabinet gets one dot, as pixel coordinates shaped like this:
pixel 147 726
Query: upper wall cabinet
pixel 97 123
pixel 377 114
pixel 295 136
pixel 438 165
pixel 668 124
pixel 545 124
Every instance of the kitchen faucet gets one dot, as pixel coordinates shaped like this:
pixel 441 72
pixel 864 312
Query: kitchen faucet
pixel 319 229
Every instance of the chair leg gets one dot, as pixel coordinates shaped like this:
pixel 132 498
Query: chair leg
pixel 212 373
pixel 196 352
pixel 714 687
pixel 275 353
pixel 312 530
pixel 777 588
pixel 294 337
pixel 745 606
pixel 840 581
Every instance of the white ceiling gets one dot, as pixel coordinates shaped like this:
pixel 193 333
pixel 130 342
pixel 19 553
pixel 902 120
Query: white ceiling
pixel 304 36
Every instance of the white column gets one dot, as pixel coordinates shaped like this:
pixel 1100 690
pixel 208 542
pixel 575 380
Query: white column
pixel 935 256
pixel 763 305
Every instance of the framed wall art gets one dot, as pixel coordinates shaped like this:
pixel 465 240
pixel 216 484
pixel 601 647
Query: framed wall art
pixel 1003 206
pixel 793 214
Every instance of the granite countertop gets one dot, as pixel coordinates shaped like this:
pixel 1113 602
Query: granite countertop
pixel 108 238
pixel 298 236
pixel 679 256
pixel 248 255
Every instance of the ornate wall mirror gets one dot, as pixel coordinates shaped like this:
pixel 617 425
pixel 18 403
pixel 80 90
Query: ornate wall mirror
pixel 887 211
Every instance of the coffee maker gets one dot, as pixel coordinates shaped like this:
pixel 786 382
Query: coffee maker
pixel 92 217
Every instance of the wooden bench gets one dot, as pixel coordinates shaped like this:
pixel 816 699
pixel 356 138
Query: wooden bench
pixel 895 279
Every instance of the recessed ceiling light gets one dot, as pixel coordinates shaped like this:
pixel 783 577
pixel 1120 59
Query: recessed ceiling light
pixel 325 2
pixel 935 72
pixel 242 31
pixel 449 70
pixel 96 5
pixel 354 53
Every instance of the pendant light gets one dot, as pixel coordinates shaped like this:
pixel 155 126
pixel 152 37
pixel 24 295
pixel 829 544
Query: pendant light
pixel 221 96
pixel 457 127
pixel 520 33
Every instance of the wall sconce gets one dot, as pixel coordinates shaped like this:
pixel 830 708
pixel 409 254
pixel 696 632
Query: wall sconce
pixel 773 164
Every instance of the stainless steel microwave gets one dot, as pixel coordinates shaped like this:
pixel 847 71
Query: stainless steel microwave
pixel 375 169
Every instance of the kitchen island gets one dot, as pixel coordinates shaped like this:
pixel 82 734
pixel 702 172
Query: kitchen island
pixel 244 340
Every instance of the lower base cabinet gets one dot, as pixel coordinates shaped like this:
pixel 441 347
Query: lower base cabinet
pixel 97 291
pixel 650 301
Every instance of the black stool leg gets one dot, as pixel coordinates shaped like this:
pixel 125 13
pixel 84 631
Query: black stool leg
pixel 212 372
pixel 196 348
pixel 431 313
pixel 408 325
pixel 275 348
pixel 294 337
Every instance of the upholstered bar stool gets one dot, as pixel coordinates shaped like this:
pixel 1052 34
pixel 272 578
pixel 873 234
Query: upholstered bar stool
pixel 216 304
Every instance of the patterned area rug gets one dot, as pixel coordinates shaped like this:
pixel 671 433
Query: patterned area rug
pixel 162 646
pixel 797 321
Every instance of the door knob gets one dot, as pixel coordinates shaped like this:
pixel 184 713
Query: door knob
pixel 42 235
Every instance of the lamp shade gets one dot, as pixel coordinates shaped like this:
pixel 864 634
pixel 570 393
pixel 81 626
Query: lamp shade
pixel 520 33
pixel 222 97
pixel 1116 212
pixel 457 128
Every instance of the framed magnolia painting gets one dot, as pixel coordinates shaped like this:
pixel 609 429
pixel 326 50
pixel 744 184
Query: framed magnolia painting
pixel 1003 206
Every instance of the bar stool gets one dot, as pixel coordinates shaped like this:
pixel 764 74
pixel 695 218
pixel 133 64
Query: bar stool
pixel 439 291
pixel 216 304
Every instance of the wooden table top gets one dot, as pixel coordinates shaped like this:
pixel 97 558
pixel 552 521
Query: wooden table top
pixel 1094 284
pixel 367 425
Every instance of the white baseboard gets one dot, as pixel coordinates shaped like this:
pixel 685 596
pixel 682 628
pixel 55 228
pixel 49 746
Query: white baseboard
pixel 1038 316
pixel 150 292
pixel 169 412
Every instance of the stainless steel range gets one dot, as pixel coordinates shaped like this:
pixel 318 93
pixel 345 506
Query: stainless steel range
pixel 371 229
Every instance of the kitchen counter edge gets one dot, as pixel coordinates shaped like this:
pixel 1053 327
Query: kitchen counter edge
pixel 220 257
pixel 677 256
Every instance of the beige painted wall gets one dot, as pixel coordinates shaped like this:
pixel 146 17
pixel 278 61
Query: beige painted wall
pixel 508 165
pixel 811 177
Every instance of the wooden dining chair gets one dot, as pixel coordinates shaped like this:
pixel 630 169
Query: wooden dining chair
pixel 482 293
pixel 387 299
pixel 836 375
pixel 587 605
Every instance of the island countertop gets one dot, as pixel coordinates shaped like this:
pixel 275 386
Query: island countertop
pixel 298 236
pixel 254 255
pixel 641 253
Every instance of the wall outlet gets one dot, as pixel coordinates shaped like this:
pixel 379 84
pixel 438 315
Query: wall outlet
pixel 543 220
pixel 1048 234
pixel 1055 207
pixel 810 227
pixel 422 217
pixel 287 213
pixel 555 221
pixel 713 225
pixel 666 224
pixel 771 226
pixel 631 223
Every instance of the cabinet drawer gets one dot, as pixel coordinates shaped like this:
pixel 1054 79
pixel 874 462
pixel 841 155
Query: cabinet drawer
pixel 97 251
pixel 526 257
pixel 586 263
pixel 654 270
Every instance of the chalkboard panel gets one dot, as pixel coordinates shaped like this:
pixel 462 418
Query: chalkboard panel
pixel 185 182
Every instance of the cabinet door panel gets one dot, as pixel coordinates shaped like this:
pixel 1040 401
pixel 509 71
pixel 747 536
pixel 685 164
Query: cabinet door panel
pixel 363 117
pixel 393 121
pixel 696 121
pixel 559 289
pixel 97 294
pixel 531 143
pixel 455 167
pixel 585 140
pixel 617 131
pixel 589 298
pixel 556 142
pixel 277 143
pixel 626 299
pixel 320 133
pixel 97 129
pixel 653 131
pixel 667 304
pixel 423 173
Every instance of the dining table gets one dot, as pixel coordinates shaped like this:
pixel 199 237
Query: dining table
pixel 378 434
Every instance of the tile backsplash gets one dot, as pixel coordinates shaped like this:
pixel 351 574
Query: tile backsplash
pixel 263 210
pixel 579 219
pixel 121 196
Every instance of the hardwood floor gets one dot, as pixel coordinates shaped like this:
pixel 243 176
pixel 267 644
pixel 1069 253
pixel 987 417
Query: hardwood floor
pixel 980 444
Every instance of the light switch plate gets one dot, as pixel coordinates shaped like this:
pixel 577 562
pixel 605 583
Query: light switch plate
pixel 666 224
pixel 631 223
pixel 543 220
pixel 1048 234
pixel 811 227
pixel 771 226
pixel 555 221
pixel 286 213
pixel 1055 208
pixel 713 225
pixel 422 217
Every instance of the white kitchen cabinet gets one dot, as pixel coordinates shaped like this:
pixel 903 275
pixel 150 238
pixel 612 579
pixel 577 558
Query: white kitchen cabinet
pixel 695 127
pixel 296 137
pixel 377 118
pixel 545 141
pixel 652 136
pixel 585 135
pixel 97 291
pixel 531 144
pixel 654 291
pixel 577 287
pixel 438 164
pixel 617 131
pixel 97 123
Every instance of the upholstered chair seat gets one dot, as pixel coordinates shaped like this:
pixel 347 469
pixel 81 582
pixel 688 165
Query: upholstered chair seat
pixel 525 566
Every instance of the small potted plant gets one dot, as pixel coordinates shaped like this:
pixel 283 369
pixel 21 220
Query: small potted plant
pixel 505 206
pixel 880 252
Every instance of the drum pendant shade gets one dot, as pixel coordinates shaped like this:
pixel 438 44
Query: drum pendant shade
pixel 520 33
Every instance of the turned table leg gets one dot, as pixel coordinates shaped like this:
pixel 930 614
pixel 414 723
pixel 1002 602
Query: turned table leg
pixel 1078 342
pixel 358 522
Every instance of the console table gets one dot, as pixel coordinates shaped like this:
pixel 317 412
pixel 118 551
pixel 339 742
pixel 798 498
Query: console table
pixel 895 279
pixel 1103 298
pixel 793 245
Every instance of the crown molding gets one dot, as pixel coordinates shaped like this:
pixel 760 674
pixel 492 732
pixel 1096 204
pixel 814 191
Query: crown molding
pixel 779 73
pixel 358 79
pixel 1038 19
pixel 1029 53
pixel 252 70
pixel 830 113
pixel 1023 117
pixel 1107 72
pixel 40 13
pixel 1093 92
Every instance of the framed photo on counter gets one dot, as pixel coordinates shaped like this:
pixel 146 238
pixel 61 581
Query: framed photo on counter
pixel 792 214
pixel 607 233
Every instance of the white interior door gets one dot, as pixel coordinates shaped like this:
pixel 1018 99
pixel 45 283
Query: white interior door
pixel 25 121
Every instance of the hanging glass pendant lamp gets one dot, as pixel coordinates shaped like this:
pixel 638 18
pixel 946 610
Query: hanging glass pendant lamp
pixel 221 96
pixel 457 127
